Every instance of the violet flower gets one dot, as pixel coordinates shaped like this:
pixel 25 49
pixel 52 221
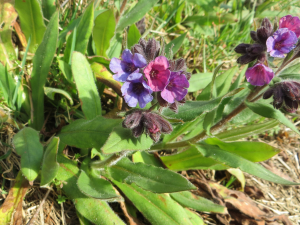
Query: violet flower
pixel 290 22
pixel 286 94
pixel 135 90
pixel 259 74
pixel 281 42
pixel 129 64
pixel 157 72
pixel 176 88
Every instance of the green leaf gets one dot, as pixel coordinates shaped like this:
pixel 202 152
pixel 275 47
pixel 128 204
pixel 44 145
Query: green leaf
pixel 85 133
pixel 190 159
pixel 115 46
pixel 194 218
pixel 192 109
pixel 7 17
pixel 96 187
pixel 41 64
pixel 253 151
pixel 207 20
pixel 85 82
pixel 246 131
pixel 199 81
pixel 103 31
pixel 239 175
pixel 135 14
pixel 174 45
pixel 159 209
pixel 84 31
pixel 133 36
pixel 50 92
pixel 222 85
pixel 121 139
pixel 148 177
pixel 245 165
pixel 147 158
pixel 7 85
pixel 268 111
pixel 50 166
pixel 28 146
pixel 198 203
pixel 95 210
pixel 32 23
pixel 49 8
pixel 291 72
pixel 66 70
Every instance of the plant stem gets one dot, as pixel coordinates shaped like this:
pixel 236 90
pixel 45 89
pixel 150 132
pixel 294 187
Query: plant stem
pixel 109 161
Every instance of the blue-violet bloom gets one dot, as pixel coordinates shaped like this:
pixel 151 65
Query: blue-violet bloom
pixel 259 74
pixel 176 88
pixel 157 72
pixel 129 64
pixel 290 22
pixel 135 90
pixel 281 42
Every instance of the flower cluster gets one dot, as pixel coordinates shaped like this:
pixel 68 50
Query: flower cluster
pixel 146 70
pixel 140 121
pixel 286 94
pixel 277 43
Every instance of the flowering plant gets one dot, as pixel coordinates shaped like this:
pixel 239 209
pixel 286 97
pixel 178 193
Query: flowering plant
pixel 107 118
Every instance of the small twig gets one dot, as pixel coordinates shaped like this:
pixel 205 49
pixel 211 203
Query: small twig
pixel 31 221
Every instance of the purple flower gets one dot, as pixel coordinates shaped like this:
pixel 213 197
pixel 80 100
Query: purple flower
pixel 286 94
pixel 281 42
pixel 259 74
pixel 290 22
pixel 176 88
pixel 157 72
pixel 135 90
pixel 129 64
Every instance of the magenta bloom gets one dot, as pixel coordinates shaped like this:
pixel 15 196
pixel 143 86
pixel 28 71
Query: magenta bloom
pixel 176 88
pixel 129 64
pixel 259 74
pixel 157 72
pixel 290 22
pixel 281 42
pixel 135 90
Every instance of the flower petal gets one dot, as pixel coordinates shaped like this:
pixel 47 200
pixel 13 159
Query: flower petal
pixel 139 61
pixel 127 56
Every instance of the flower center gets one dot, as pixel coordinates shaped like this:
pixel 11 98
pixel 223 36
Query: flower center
pixel 170 85
pixel 130 68
pixel 153 73
pixel 138 88
pixel 278 45
pixel 154 129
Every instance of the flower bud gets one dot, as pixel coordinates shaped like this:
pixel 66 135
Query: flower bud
pixel 245 59
pixel 255 49
pixel 268 25
pixel 132 119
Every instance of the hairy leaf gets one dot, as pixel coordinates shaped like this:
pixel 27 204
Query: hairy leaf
pixel 50 92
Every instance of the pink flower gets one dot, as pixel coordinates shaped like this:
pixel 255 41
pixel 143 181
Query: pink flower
pixel 157 72
pixel 259 74
pixel 290 22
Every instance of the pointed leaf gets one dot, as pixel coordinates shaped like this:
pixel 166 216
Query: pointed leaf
pixel 95 210
pixel 148 177
pixel 96 187
pixel 133 36
pixel 66 70
pixel 32 23
pixel 135 14
pixel 194 218
pixel 50 92
pixel 245 165
pixel 28 146
pixel 41 64
pixel 84 31
pixel 85 82
pixel 174 45
pixel 121 139
pixel 253 151
pixel 159 209
pixel 198 203
pixel 268 111
pixel 84 133
pixel 49 8
pixel 147 158
pixel 199 81
pixel 191 159
pixel 50 166
pixel 103 31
